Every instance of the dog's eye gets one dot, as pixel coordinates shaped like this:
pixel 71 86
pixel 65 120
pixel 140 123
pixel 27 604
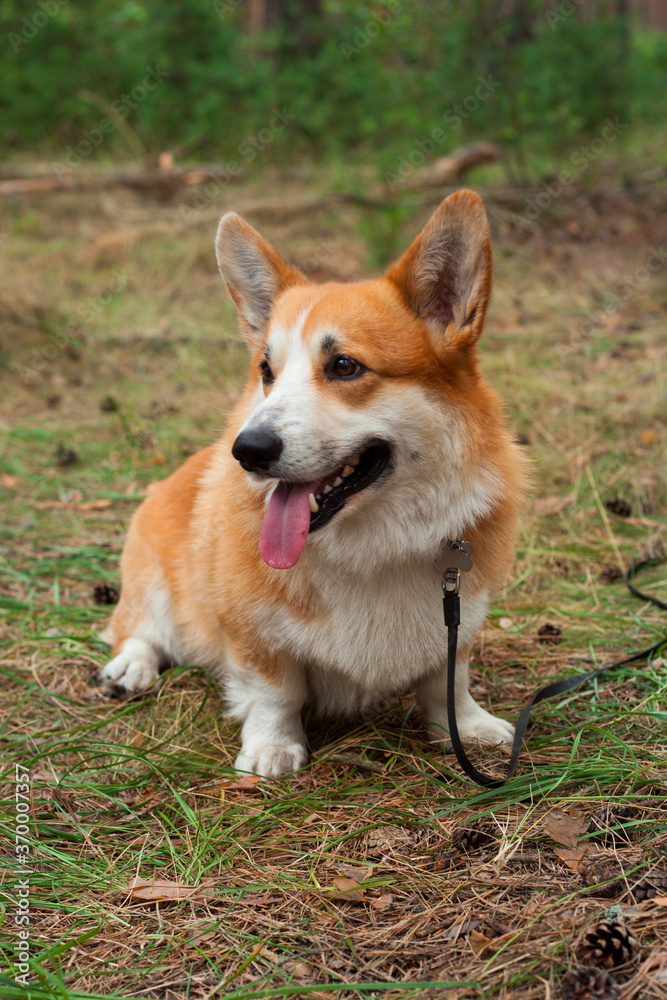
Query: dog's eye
pixel 344 367
pixel 267 374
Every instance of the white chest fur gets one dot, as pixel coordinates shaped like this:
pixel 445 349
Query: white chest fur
pixel 375 638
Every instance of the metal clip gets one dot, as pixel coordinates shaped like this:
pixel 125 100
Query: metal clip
pixel 451 580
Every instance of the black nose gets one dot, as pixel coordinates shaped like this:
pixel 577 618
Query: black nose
pixel 256 449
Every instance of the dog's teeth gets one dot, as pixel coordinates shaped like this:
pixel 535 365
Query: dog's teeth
pixel 327 489
pixel 347 471
pixel 354 460
pixel 337 481
pixel 312 503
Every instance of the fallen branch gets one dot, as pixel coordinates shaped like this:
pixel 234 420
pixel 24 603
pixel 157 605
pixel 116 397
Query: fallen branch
pixel 165 179
pixel 162 181
pixel 448 169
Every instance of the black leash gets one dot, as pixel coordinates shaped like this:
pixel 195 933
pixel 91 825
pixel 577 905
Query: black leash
pixel 451 604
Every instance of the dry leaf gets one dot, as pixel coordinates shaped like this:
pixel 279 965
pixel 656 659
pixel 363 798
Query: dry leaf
pixel 654 961
pixel 158 459
pixel 10 482
pixel 360 874
pixel 165 889
pixel 268 953
pixel 572 856
pixel 382 902
pixel 456 930
pixel 348 889
pixel 198 937
pixel 566 828
pixel 300 969
pixel 478 941
pixel 505 623
pixel 48 776
pixel 247 783
pixel 648 437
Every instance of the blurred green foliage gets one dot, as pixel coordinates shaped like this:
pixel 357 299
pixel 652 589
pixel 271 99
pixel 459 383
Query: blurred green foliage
pixel 365 80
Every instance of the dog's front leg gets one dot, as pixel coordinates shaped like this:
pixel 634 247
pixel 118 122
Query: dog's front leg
pixel 475 724
pixel 272 737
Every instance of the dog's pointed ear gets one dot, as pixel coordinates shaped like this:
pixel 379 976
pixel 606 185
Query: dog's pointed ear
pixel 445 274
pixel 254 274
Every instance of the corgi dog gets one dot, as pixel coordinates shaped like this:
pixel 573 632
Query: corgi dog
pixel 295 558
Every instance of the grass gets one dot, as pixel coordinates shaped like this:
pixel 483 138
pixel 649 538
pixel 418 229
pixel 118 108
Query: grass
pixel 142 789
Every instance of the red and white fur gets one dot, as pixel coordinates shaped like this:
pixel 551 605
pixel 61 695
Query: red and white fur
pixel 357 616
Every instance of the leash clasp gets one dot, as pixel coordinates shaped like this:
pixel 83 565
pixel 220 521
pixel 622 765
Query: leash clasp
pixel 451 580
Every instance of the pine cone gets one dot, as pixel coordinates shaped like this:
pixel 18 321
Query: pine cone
pixel 607 945
pixel 614 815
pixel 550 634
pixel 64 456
pixel 610 574
pixel 619 507
pixel 588 984
pixel 386 838
pixel 651 885
pixel 447 862
pixel 601 871
pixel 105 593
pixel 472 837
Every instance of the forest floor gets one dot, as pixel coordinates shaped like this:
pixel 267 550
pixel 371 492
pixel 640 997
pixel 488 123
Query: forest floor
pixel 120 355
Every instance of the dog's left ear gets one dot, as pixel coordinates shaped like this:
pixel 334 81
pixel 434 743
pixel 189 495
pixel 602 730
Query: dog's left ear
pixel 445 274
pixel 254 274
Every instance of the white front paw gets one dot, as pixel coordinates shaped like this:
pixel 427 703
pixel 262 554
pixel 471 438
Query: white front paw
pixel 272 760
pixel 136 668
pixel 478 725
pixel 475 725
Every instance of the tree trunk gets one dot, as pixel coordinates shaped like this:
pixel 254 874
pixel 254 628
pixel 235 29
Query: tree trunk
pixel 300 20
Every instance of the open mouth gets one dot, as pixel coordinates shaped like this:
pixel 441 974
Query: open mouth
pixel 357 474
pixel 296 509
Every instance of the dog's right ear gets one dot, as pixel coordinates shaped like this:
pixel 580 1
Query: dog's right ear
pixel 254 274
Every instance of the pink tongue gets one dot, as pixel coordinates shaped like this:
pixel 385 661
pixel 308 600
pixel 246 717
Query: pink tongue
pixel 286 523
